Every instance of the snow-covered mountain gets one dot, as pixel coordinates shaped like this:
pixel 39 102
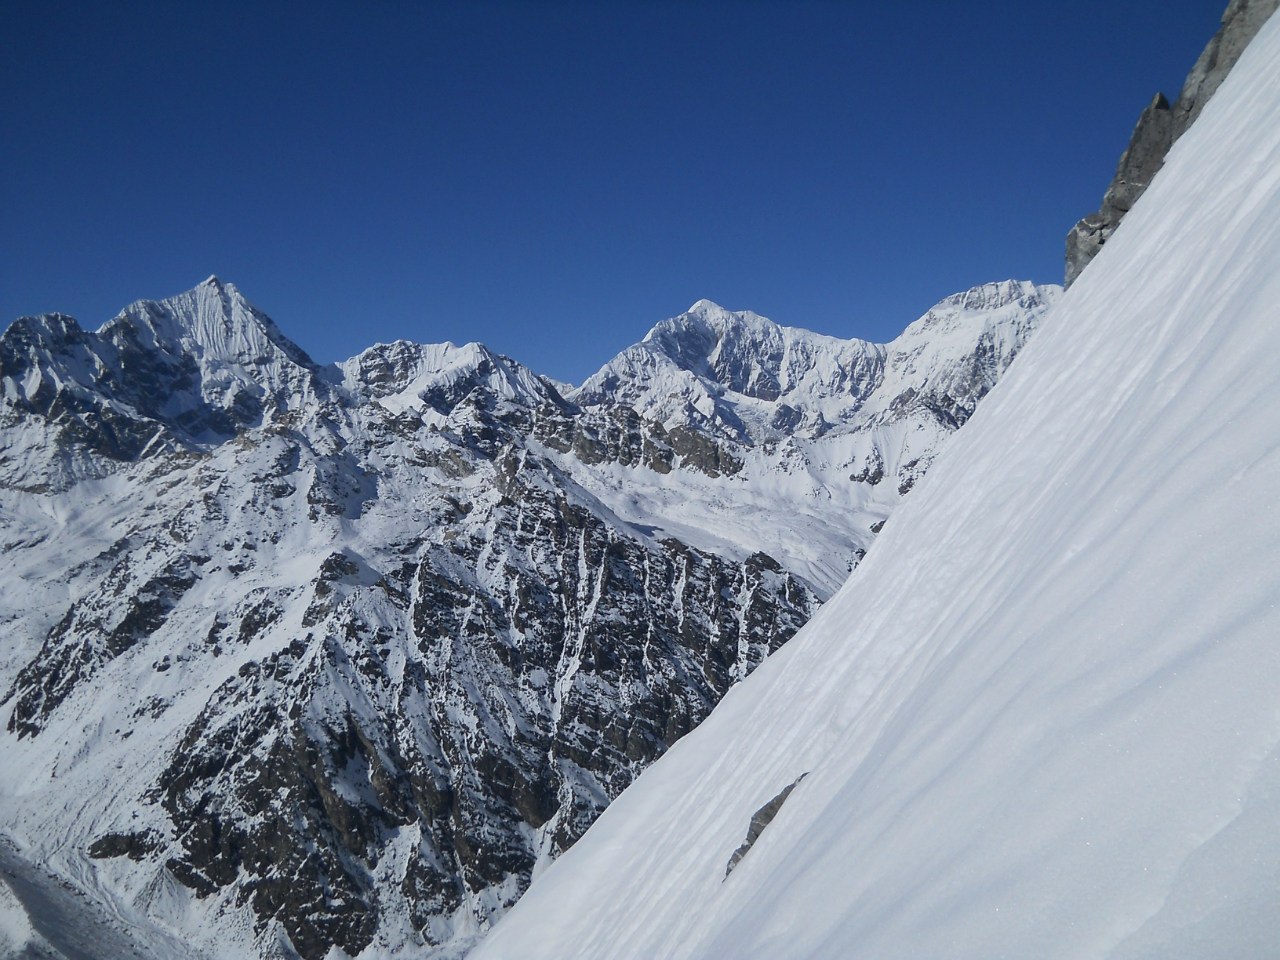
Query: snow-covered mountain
pixel 803 443
pixel 404 376
pixel 300 658
pixel 184 372
pixel 740 376
pixel 1040 720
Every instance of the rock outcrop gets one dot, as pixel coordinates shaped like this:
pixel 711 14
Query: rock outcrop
pixel 1160 125
pixel 759 820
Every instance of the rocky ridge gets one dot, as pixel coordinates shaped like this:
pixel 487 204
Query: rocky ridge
pixel 1159 127
pixel 300 657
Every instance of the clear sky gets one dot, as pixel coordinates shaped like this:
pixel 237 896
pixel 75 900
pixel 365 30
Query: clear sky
pixel 554 178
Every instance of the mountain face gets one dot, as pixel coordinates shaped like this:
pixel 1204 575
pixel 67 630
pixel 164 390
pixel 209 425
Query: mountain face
pixel 744 378
pixel 801 444
pixel 298 658
pixel 1160 125
pixel 1040 719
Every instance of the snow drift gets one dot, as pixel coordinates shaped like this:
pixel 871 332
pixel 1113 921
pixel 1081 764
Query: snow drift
pixel 1042 718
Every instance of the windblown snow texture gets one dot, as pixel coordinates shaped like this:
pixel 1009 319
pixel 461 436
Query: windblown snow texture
pixel 1040 720
pixel 296 658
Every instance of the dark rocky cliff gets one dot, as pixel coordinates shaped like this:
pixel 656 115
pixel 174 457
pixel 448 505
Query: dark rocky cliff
pixel 1159 127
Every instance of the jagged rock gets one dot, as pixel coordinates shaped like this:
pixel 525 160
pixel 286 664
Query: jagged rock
pixel 1160 125
pixel 1241 22
pixel 759 820
pixel 135 846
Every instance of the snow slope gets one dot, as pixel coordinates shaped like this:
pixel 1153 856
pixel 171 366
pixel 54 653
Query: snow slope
pixel 1042 719
pixel 45 918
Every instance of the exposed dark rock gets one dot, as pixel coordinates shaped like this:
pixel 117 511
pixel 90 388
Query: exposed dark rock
pixel 1160 125
pixel 542 675
pixel 702 452
pixel 759 820
pixel 135 846
pixel 872 471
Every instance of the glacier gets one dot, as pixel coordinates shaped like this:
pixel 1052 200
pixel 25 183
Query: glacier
pixel 1042 718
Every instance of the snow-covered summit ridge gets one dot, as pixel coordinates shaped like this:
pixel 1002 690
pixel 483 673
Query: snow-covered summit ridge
pixel 404 375
pixel 745 377
pixel 207 362
pixel 992 296
pixel 190 369
pixel 705 363
pixel 214 322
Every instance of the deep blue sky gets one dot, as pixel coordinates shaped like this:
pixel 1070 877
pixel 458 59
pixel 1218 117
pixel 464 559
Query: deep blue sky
pixel 554 178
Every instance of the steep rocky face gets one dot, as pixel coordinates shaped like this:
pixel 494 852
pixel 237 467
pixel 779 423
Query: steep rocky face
pixel 1241 22
pixel 341 657
pixel 416 716
pixel 1160 125
pixel 1141 160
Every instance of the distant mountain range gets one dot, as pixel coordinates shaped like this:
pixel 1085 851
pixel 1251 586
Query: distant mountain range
pixel 297 657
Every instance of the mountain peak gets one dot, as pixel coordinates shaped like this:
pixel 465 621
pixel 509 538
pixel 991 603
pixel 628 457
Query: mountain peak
pixel 704 306
pixel 748 378
pixel 406 375
pixel 213 321
pixel 693 336
pixel 205 363
pixel 990 296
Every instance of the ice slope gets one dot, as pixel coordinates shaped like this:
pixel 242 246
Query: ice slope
pixel 1042 719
